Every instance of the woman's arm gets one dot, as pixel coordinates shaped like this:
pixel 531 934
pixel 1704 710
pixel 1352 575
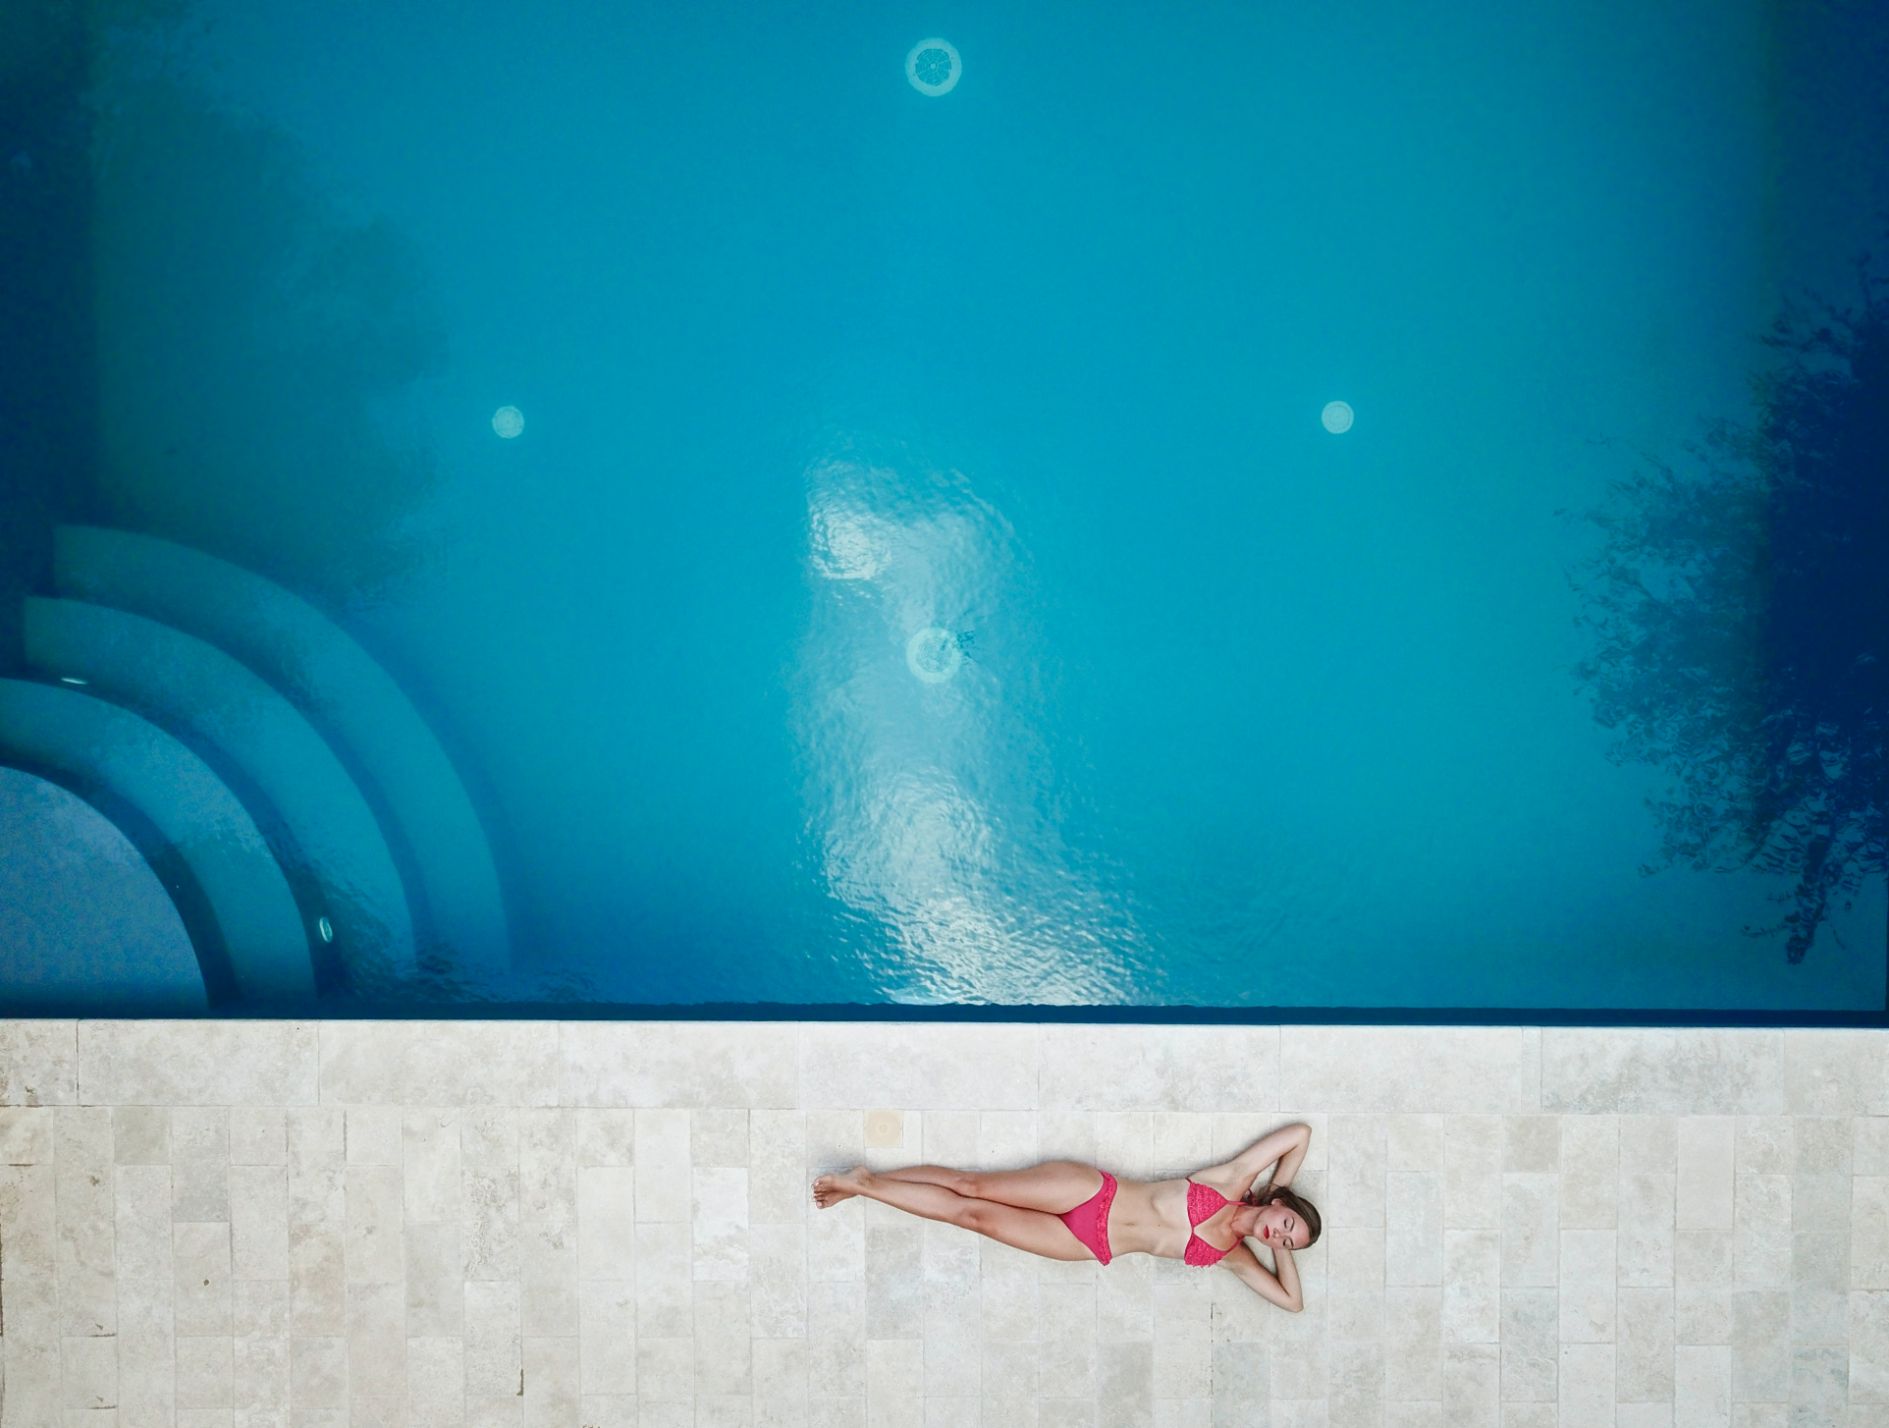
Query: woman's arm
pixel 1281 1288
pixel 1287 1273
pixel 1285 1145
pixel 1294 1157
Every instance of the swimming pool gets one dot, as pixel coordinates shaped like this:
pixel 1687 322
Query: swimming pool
pixel 747 505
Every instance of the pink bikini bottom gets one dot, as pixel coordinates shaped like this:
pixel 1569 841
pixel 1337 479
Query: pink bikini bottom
pixel 1088 1222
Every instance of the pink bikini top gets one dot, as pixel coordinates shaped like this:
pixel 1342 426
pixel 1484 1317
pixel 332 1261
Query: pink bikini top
pixel 1203 1202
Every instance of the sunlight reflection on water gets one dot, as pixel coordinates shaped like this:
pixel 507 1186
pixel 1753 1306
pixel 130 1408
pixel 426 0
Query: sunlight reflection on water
pixel 927 795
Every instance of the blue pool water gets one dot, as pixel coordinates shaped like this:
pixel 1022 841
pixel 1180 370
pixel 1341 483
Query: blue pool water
pixel 652 505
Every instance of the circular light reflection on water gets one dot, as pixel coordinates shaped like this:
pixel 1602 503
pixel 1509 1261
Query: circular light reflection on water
pixel 933 67
pixel 934 655
pixel 1337 417
pixel 508 422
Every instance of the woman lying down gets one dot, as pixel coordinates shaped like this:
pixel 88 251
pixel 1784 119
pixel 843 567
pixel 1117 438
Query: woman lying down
pixel 1060 1211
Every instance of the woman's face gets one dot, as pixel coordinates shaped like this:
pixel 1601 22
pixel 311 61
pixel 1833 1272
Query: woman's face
pixel 1275 1225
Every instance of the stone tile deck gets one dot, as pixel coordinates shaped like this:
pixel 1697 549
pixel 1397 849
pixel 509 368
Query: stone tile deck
pixel 310 1225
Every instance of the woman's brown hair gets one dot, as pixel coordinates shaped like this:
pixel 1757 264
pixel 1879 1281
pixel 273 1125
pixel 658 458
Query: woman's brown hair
pixel 1297 1204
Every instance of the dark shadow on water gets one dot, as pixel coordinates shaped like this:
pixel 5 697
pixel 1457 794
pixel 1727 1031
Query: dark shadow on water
pixel 256 341
pixel 259 346
pixel 1739 610
pixel 47 401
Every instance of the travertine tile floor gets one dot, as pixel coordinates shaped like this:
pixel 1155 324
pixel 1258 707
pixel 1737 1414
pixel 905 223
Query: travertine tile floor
pixel 238 1224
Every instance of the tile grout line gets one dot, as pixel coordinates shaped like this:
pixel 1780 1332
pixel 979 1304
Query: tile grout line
pixel 1541 1057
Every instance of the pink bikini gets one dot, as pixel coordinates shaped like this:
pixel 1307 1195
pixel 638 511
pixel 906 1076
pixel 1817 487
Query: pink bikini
pixel 1088 1222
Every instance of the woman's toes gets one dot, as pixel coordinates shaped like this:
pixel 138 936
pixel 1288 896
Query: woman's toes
pixel 829 1190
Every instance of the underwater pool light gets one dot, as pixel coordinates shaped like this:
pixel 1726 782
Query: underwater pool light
pixel 933 654
pixel 1337 417
pixel 933 67
pixel 508 422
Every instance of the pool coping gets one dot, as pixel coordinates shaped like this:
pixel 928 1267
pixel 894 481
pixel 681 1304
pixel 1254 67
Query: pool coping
pixel 1349 1069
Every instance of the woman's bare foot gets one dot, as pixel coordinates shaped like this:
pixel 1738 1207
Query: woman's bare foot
pixel 829 1190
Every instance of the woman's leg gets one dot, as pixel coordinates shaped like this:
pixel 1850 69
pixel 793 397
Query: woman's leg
pixel 828 1190
pixel 1057 1186
pixel 1037 1231
pixel 954 1180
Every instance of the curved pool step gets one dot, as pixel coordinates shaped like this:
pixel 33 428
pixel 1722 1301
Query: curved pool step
pixel 194 690
pixel 85 918
pixel 430 822
pixel 264 953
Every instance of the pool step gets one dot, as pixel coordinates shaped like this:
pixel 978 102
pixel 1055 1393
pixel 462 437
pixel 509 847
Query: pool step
pixel 394 758
pixel 314 817
pixel 85 916
pixel 257 949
